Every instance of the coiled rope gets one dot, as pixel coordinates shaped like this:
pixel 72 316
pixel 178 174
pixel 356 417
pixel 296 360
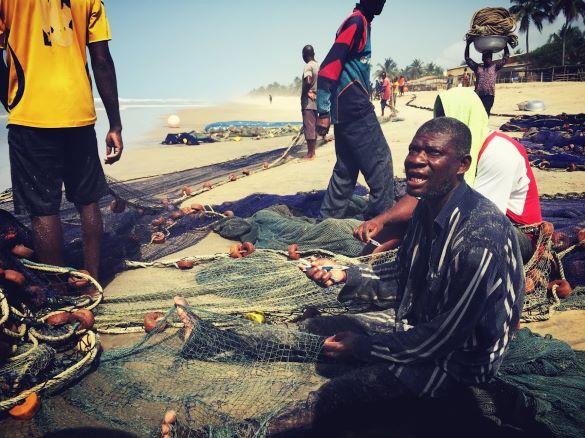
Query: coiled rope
pixel 493 21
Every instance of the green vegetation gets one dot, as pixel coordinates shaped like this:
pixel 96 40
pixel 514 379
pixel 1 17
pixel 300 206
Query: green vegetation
pixel 569 38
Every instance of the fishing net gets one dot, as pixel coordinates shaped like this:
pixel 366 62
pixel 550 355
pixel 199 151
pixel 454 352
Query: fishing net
pixel 493 21
pixel 552 142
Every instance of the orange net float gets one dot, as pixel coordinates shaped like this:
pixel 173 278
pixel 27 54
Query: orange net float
pixel 14 277
pixel 22 251
pixel 197 208
pixel 186 210
pixel 158 221
pixel 246 172
pixel 185 264
pixel 529 286
pixel 265 165
pixel 158 237
pixel 151 320
pixel 78 282
pixel 293 252
pixel 232 177
pixel 84 317
pixel 27 409
pixel 563 288
pixel 117 206
pixel 228 213
pixel 59 318
pixel 581 237
pixel 546 229
pixel 186 190
pixel 239 250
pixel 165 201
pixel 207 185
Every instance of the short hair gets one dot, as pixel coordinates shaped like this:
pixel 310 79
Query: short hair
pixel 309 51
pixel 458 131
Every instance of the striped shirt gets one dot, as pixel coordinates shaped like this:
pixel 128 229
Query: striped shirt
pixel 460 289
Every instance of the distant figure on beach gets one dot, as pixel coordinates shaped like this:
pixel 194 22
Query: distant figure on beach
pixel 401 84
pixel 449 81
pixel 270 98
pixel 309 99
pixel 51 137
pixel 343 99
pixel 466 80
pixel 486 74
pixel 499 170
pixel 386 92
pixel 395 86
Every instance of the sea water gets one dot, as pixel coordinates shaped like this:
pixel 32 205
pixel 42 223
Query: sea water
pixel 141 118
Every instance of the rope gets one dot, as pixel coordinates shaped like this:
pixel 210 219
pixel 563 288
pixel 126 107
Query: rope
pixel 493 21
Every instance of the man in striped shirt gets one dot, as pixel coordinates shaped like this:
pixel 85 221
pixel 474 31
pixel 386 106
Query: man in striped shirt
pixel 458 282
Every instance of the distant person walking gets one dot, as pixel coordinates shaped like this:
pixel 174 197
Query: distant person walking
pixel 309 99
pixel 47 90
pixel 486 74
pixel 270 98
pixel 466 80
pixel 401 84
pixel 343 98
pixel 449 82
pixel 386 92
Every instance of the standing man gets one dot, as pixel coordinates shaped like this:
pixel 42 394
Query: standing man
pixel 385 92
pixel 343 99
pixel 486 74
pixel 47 90
pixel 309 100
pixel 401 84
pixel 466 79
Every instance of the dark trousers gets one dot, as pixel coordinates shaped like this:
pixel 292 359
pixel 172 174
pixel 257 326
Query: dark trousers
pixel 360 146
pixel 488 102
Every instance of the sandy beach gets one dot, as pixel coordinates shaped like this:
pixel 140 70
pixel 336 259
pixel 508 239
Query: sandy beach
pixel 300 175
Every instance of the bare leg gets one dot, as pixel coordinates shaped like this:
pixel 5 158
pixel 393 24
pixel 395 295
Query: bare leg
pixel 92 229
pixel 311 144
pixel 48 239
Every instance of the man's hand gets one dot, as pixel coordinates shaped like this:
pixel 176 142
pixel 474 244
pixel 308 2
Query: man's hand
pixel 368 229
pixel 340 346
pixel 323 124
pixel 114 146
pixel 325 272
pixel 312 95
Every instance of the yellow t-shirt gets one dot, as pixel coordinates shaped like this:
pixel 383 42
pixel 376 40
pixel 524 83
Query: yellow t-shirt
pixel 46 51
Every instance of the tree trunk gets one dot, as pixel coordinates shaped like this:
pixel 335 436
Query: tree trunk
pixel 564 30
pixel 527 48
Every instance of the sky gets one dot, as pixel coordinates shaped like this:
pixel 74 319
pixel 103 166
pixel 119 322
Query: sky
pixel 212 51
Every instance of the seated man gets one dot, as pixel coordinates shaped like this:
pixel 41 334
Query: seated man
pixel 458 284
pixel 503 175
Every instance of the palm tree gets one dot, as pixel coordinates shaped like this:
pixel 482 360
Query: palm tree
pixel 531 11
pixel 432 69
pixel 572 10
pixel 415 70
pixel 389 67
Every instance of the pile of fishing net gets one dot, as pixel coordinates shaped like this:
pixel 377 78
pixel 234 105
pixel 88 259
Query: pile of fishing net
pixel 47 339
pixel 552 142
pixel 493 21
pixel 246 361
pixel 236 129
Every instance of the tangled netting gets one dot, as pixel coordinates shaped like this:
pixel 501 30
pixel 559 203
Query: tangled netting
pixel 552 142
pixel 493 21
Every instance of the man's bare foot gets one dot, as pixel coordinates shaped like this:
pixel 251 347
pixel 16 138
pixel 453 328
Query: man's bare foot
pixel 187 318
pixel 309 157
pixel 167 427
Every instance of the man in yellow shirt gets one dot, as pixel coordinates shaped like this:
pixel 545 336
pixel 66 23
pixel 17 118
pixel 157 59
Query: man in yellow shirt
pixel 46 87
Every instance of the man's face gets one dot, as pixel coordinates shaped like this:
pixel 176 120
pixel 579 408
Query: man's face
pixel 432 166
pixel 374 7
pixel 487 58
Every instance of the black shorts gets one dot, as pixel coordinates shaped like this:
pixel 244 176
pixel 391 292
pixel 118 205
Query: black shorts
pixel 43 159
